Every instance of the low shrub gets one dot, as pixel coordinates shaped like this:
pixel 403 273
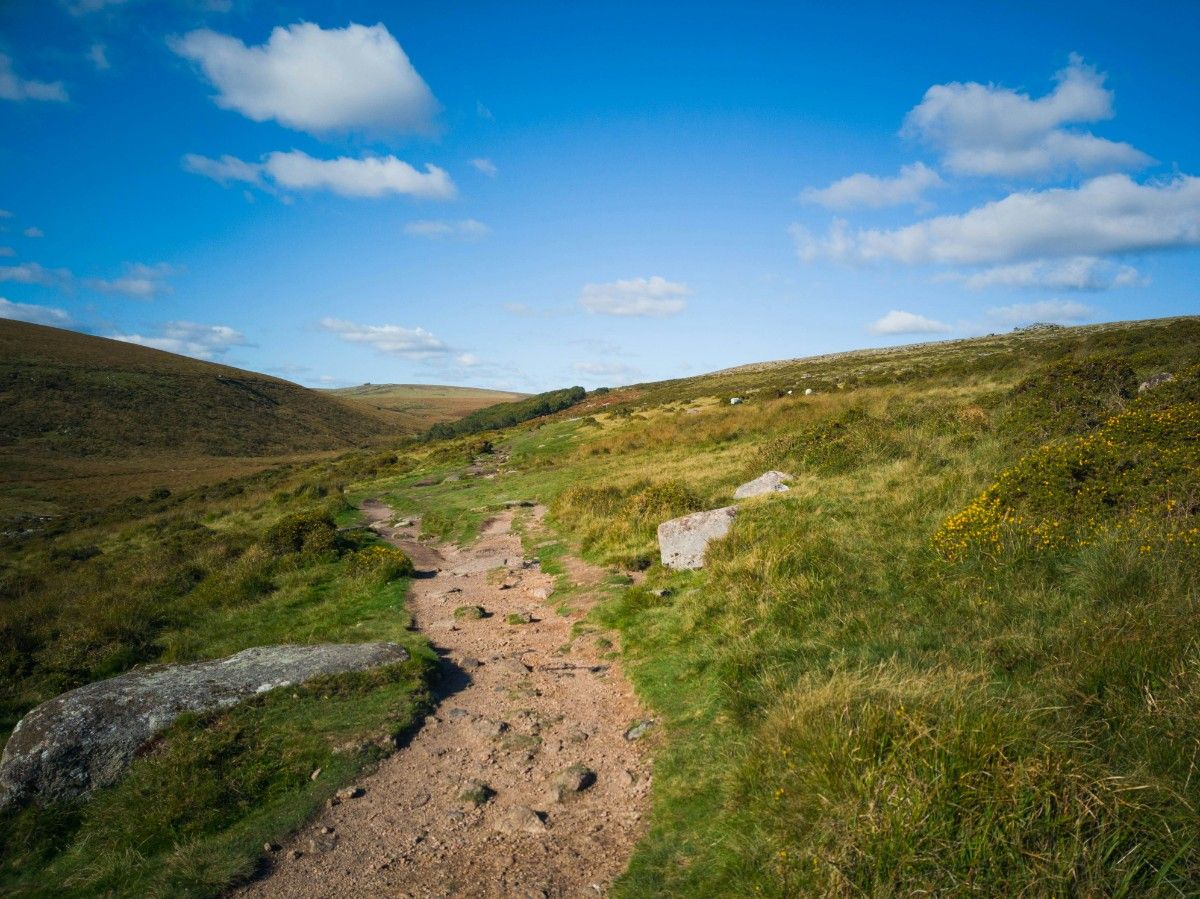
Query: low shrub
pixel 310 531
pixel 379 564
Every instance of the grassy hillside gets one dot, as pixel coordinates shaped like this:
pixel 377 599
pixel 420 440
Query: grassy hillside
pixel 417 407
pixel 958 657
pixel 85 417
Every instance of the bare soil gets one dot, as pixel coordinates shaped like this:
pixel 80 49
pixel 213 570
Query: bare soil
pixel 523 783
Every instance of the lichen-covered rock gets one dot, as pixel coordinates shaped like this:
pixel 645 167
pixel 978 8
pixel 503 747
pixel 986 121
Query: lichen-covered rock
pixel 770 482
pixel 683 541
pixel 87 737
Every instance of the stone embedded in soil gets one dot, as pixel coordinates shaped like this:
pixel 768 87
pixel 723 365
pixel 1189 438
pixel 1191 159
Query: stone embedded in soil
pixel 521 818
pixel 639 730
pixel 488 727
pixel 520 618
pixel 572 781
pixel 683 541
pixel 469 613
pixel 350 793
pixel 512 666
pixel 475 792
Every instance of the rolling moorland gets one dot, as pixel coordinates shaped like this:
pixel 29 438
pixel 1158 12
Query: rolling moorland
pixel 417 407
pixel 85 420
pixel 959 656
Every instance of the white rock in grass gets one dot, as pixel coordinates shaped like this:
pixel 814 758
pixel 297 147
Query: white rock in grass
pixel 682 542
pixel 770 482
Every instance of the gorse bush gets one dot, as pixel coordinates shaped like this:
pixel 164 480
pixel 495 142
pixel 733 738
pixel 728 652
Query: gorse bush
pixel 310 531
pixel 1071 396
pixel 379 564
pixel 1137 475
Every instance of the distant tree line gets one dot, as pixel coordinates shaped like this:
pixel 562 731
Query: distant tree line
pixel 504 415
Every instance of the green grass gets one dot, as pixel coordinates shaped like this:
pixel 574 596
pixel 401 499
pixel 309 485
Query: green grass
pixel 847 709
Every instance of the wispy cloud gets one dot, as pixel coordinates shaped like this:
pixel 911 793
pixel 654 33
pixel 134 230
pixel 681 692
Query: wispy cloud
pixel 17 89
pixel 369 177
pixel 188 339
pixel 139 280
pixel 439 228
pixel 414 344
pixel 1063 312
pixel 30 312
pixel 34 273
pixel 486 166
pixel 654 296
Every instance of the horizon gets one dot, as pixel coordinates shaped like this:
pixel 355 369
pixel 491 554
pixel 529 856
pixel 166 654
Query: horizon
pixel 530 199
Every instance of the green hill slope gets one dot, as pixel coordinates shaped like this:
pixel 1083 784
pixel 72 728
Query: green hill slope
pixel 417 407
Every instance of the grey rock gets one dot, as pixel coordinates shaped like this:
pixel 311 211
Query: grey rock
pixel 735 401
pixel 572 781
pixel 639 730
pixel 87 737
pixel 1156 381
pixel 769 482
pixel 683 541
pixel 346 793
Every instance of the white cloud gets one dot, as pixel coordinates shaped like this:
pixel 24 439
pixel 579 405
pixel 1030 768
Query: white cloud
pixel 482 111
pixel 98 54
pixel 438 228
pixel 139 280
pixel 33 273
pixel 1108 214
pixel 1074 273
pixel 468 359
pixel 189 339
pixel 223 170
pixel 31 231
pixel 372 176
pixel 1063 312
pixel 316 80
pixel 900 322
pixel 870 191
pixel 5 214
pixel 984 129
pixel 415 344
pixel 15 88
pixel 38 315
pixel 486 166
pixel 7 251
pixel 653 296
pixel 607 372
pixel 83 7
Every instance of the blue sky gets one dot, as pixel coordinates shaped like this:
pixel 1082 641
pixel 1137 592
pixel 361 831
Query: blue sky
pixel 532 195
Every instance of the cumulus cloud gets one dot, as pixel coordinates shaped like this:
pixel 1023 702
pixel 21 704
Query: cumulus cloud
pixel 486 166
pixel 30 312
pixel 415 344
pixel 189 339
pixel 223 170
pixel 438 228
pixel 1063 312
pixel 870 191
pixel 655 296
pixel 13 87
pixel 899 322
pixel 139 280
pixel 1075 273
pixel 372 176
pixel 313 79
pixel 984 129
pixel 33 273
pixel 1108 214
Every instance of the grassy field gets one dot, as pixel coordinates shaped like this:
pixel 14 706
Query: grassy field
pixel 417 407
pixel 959 657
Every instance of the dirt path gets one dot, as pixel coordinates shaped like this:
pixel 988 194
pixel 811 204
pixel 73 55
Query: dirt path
pixel 518 721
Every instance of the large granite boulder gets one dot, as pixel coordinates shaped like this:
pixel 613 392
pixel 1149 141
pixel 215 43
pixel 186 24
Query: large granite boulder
pixel 683 541
pixel 87 737
pixel 770 482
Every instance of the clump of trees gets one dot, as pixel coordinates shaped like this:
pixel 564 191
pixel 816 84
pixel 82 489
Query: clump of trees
pixel 505 415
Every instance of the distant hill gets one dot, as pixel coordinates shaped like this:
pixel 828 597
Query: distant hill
pixel 417 407
pixel 73 407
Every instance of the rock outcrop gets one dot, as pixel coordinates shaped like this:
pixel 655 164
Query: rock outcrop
pixel 87 737
pixel 770 482
pixel 683 541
